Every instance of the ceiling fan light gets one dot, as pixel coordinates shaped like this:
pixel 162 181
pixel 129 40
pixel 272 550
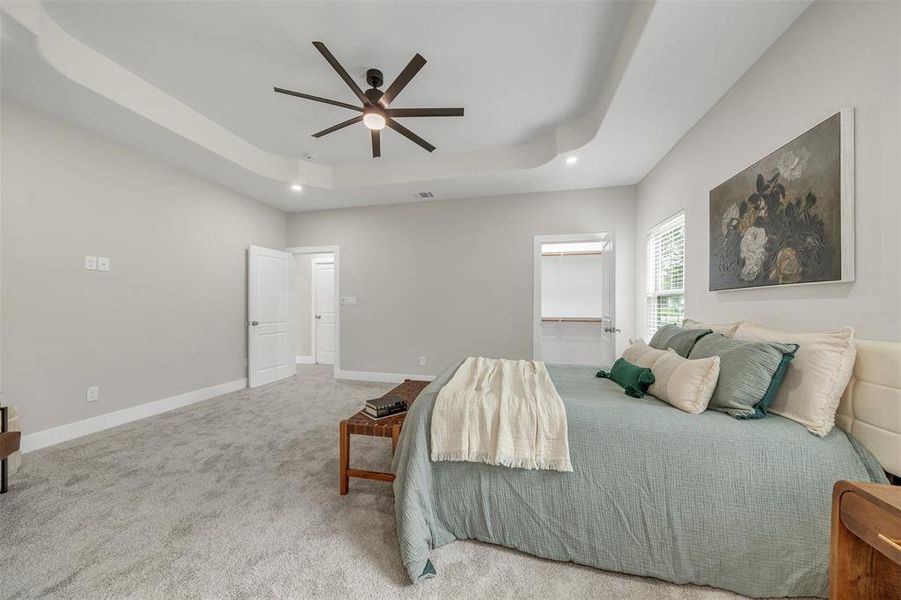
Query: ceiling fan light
pixel 374 120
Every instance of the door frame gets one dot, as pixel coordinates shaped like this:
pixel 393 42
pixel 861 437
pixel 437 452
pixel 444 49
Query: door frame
pixel 538 240
pixel 335 250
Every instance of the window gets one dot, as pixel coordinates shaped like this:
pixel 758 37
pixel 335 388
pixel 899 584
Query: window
pixel 666 273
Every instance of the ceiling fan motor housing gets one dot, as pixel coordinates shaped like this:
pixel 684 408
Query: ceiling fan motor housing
pixel 373 95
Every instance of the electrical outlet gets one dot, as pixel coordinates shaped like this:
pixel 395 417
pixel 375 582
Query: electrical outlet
pixel 93 394
pixel 103 263
pixel 90 262
pixel 422 361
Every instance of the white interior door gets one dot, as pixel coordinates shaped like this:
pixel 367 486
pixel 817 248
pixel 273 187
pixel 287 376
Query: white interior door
pixel 324 309
pixel 270 305
pixel 608 318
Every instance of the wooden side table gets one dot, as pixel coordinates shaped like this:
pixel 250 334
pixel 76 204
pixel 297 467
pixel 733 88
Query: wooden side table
pixel 361 424
pixel 865 554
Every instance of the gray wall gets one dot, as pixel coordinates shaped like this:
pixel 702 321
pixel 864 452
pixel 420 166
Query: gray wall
pixel 167 319
pixel 837 54
pixel 450 278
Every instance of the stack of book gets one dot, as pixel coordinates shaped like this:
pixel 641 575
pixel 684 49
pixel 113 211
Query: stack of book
pixel 386 406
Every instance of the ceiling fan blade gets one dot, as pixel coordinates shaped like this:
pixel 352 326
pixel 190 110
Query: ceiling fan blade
pixel 425 112
pixel 408 134
pixel 412 68
pixel 340 125
pixel 341 72
pixel 317 99
pixel 376 143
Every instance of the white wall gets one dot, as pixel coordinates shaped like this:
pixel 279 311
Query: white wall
pixel 169 318
pixel 572 286
pixel 837 54
pixel 451 278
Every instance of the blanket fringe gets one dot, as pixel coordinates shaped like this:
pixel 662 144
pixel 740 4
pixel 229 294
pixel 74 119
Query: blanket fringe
pixel 504 460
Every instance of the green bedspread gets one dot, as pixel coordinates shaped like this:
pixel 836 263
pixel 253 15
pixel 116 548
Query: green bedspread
pixel 742 505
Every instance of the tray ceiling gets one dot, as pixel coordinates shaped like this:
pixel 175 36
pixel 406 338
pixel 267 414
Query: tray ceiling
pixel 615 83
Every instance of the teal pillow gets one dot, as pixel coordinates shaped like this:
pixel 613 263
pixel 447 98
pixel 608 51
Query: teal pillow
pixel 678 339
pixel 634 379
pixel 750 373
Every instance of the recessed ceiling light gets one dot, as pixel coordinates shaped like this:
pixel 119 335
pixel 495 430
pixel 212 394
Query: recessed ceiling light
pixel 296 187
pixel 571 160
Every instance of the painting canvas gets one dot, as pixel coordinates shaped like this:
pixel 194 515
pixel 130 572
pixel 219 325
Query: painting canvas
pixel 788 218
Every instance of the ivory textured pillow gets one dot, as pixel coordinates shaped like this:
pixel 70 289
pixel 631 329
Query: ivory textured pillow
pixel 816 378
pixel 726 329
pixel 684 383
pixel 642 355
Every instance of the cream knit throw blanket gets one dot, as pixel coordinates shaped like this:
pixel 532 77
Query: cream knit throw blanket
pixel 501 412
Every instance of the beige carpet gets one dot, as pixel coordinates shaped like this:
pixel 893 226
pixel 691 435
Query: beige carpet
pixel 237 497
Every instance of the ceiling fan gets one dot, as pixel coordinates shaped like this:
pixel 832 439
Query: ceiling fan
pixel 376 111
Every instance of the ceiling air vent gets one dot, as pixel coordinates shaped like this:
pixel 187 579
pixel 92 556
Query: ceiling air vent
pixel 425 194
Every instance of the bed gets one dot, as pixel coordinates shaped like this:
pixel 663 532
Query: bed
pixel 704 499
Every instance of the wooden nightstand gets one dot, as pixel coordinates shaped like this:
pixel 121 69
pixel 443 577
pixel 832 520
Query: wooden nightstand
pixel 865 557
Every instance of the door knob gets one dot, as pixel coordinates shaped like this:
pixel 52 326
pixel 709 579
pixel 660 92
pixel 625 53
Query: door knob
pixel 612 330
pixel 318 316
pixel 254 323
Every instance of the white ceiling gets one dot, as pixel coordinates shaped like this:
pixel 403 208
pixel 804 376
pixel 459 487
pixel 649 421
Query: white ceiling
pixel 500 63
pixel 190 82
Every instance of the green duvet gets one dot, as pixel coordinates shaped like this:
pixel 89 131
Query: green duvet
pixel 742 505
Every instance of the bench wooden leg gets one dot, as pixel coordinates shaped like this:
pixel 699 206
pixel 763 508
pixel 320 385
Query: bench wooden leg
pixel 344 458
pixel 395 435
pixel 4 423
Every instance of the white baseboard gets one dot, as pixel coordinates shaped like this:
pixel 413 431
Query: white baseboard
pixel 70 431
pixel 378 376
pixel 305 360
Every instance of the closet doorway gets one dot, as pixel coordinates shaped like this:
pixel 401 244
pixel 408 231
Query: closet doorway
pixel 574 299
pixel 316 312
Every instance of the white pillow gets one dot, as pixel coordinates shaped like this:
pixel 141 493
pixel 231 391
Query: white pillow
pixel 726 329
pixel 642 355
pixel 685 383
pixel 815 379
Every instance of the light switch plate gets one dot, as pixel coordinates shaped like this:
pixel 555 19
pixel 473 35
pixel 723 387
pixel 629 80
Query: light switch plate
pixel 103 263
pixel 92 394
pixel 348 300
pixel 90 263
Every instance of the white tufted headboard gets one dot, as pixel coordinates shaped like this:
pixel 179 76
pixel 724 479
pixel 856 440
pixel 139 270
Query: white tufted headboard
pixel 870 409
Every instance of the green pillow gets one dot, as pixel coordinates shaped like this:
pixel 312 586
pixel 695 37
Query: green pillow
pixel 634 379
pixel 680 340
pixel 750 373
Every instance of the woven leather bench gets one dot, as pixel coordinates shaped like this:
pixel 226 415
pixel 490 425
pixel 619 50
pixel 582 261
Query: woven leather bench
pixel 9 443
pixel 361 424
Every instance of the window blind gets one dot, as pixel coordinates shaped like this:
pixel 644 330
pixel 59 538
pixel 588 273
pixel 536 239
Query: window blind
pixel 666 273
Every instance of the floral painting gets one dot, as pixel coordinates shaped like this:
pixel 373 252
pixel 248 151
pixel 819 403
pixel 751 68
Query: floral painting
pixel 780 220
